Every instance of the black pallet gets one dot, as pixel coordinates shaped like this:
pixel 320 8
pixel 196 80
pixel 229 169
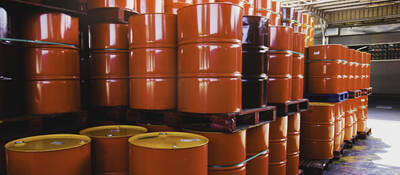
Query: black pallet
pixel 116 113
pixel 314 167
pixel 291 107
pixel 348 144
pixel 26 4
pixel 228 122
pixel 112 15
pixel 367 91
pixel 354 94
pixel 338 154
pixel 363 135
pixel 339 97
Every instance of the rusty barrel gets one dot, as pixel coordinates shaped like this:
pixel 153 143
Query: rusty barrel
pixel 168 153
pixel 257 143
pixel 293 144
pixel 67 154
pixel 52 79
pixel 51 27
pixel 262 8
pixel 152 65
pixel 172 6
pixel 326 69
pixel 126 4
pixel 318 131
pixel 254 80
pixel 110 147
pixel 210 58
pixel 108 36
pixel 278 145
pixel 224 160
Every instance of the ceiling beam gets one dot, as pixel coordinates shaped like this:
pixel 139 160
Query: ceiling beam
pixel 361 6
pixel 352 4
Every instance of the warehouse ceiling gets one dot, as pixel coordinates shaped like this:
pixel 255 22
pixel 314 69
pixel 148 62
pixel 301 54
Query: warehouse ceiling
pixel 349 12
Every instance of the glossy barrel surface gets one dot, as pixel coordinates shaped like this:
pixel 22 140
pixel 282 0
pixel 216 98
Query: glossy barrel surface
pixel 255 30
pixel 93 4
pixel 254 92
pixel 172 6
pixel 150 6
pixel 109 64
pixel 108 36
pixel 51 27
pixel 109 92
pixel 334 51
pixel 282 88
pixel 280 38
pixel 280 64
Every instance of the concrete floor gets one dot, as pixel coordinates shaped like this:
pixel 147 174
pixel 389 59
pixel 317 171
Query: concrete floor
pixel 380 153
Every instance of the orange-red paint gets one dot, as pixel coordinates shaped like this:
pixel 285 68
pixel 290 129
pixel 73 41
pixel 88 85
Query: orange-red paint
pixel 109 36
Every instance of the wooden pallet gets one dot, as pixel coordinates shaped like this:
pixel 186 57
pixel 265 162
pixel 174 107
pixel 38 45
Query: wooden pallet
pixel 365 134
pixel 354 94
pixel 367 91
pixel 228 122
pixel 314 167
pixel 112 15
pixel 116 114
pixel 29 125
pixel 291 107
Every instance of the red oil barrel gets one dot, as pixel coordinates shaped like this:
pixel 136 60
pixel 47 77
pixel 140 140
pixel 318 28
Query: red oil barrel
pixel 306 18
pixel 298 65
pixel 298 22
pixel 257 139
pixel 145 31
pixel 202 28
pixel 109 81
pixel 278 145
pixel 325 85
pixel 66 153
pixel 342 133
pixel 333 51
pixel 52 96
pixel 150 6
pixel 318 131
pixel 236 2
pixel 331 68
pixel 280 38
pixel 153 62
pixel 110 148
pixel 209 60
pixel 172 6
pixel 158 128
pixel 298 42
pixel 168 151
pixel 219 154
pixel 354 102
pixel 45 62
pixel 254 92
pixel 282 88
pixel 51 27
pixel 276 13
pixel 297 87
pixel 349 121
pixel 127 4
pixel 108 36
pixel 259 165
pixel 280 64
pixel 262 7
pixel 293 162
pixel 293 144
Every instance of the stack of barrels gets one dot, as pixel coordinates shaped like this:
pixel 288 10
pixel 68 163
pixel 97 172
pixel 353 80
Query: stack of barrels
pixel 263 8
pixel 307 25
pixel 275 17
pixel 318 131
pixel 109 65
pixel 52 69
pixel 209 77
pixel 152 61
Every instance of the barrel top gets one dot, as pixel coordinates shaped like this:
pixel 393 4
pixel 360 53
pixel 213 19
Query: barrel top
pixel 168 140
pixel 113 131
pixel 44 143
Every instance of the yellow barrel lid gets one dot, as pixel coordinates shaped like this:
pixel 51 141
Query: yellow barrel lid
pixel 168 140
pixel 44 143
pixel 321 104
pixel 113 131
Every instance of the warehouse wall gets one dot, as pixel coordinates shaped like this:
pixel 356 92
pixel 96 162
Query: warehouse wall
pixel 385 76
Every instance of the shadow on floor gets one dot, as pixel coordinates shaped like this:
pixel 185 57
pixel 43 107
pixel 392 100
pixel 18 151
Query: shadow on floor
pixel 360 160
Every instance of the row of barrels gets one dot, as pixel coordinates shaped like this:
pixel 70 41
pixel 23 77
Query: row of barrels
pixel 336 68
pixel 325 126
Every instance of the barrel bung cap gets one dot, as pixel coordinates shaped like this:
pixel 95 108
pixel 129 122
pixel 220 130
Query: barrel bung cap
pixel 44 143
pixel 168 140
pixel 113 131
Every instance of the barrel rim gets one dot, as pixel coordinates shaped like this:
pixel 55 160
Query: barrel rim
pixel 96 128
pixel 209 3
pixel 152 134
pixel 86 140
